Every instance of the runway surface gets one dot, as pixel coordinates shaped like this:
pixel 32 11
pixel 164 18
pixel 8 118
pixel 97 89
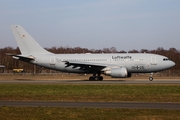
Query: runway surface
pixel 28 81
pixel 131 105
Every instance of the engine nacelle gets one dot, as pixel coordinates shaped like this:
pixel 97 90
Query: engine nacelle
pixel 118 72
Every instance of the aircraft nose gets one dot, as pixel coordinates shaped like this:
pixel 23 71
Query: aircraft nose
pixel 170 64
pixel 173 63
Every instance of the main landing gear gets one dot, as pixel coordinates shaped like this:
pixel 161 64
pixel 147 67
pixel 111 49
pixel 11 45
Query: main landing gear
pixel 151 77
pixel 96 77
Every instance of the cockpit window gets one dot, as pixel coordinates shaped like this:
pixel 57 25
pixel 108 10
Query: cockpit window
pixel 165 59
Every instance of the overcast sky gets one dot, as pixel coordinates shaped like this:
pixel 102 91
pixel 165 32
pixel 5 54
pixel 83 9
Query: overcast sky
pixel 94 24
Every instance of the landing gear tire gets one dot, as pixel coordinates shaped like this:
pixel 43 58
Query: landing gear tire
pixel 151 78
pixel 100 78
pixel 95 78
pixel 91 78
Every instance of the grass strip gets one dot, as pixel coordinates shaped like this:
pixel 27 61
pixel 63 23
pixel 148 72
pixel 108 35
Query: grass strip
pixel 100 93
pixel 57 113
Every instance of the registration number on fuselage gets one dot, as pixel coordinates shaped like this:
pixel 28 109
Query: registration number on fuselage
pixel 138 67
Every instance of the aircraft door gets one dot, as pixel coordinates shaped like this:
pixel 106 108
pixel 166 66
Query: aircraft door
pixel 52 61
pixel 110 60
pixel 153 63
pixel 153 60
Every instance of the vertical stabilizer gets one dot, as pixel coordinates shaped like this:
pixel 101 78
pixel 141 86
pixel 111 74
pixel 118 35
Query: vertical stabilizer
pixel 26 43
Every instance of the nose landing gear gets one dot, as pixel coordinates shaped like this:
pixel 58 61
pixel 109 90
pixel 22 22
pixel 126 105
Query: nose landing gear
pixel 151 77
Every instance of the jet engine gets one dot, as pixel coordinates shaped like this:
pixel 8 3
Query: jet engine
pixel 120 72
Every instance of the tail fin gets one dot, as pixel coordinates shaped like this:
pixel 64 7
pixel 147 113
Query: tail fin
pixel 26 43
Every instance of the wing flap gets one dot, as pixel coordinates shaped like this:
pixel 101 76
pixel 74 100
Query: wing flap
pixel 85 65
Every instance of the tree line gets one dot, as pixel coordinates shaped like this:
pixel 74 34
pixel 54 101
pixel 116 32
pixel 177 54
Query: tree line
pixel 10 63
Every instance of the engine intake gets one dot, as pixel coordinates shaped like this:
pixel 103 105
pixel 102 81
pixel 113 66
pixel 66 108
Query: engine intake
pixel 118 72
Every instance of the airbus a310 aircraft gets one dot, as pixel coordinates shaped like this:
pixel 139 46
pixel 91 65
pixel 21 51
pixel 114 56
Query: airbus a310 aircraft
pixel 116 65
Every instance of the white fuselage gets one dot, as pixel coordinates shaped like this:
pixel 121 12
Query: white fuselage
pixel 134 62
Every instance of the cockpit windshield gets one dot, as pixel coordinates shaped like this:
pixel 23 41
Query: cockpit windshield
pixel 166 59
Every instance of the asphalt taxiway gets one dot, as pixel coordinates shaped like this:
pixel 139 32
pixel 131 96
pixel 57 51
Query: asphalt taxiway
pixel 29 81
pixel 130 105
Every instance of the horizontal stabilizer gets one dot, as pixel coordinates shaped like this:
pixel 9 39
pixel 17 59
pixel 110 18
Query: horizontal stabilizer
pixel 21 57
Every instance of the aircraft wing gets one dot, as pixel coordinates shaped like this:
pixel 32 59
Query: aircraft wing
pixel 90 66
pixel 21 57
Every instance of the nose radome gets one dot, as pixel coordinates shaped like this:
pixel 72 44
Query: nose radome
pixel 173 63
